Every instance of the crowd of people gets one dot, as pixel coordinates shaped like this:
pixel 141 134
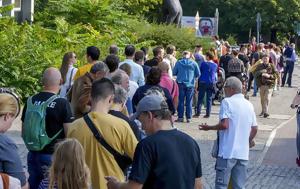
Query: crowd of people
pixel 110 124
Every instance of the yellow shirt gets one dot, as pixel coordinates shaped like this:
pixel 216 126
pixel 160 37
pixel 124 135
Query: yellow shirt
pixel 116 132
pixel 82 70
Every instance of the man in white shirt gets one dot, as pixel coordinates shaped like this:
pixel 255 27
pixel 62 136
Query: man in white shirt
pixel 236 130
pixel 137 73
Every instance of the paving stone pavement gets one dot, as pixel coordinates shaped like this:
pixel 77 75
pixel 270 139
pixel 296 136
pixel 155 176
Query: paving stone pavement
pixel 260 176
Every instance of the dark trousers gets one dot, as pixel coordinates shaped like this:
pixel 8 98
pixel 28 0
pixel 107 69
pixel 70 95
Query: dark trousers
pixel 289 69
pixel 208 89
pixel 38 165
pixel 185 98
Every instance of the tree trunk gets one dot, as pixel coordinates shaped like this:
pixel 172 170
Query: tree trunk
pixel 273 35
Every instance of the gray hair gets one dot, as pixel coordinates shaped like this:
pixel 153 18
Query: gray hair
pixel 120 95
pixel 234 83
pixel 99 66
pixel 155 91
pixel 118 76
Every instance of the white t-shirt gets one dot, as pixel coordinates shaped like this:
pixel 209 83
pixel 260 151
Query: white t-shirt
pixel 67 85
pixel 234 141
pixel 133 86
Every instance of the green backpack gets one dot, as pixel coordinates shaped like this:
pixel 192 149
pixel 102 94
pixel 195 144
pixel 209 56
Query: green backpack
pixel 34 128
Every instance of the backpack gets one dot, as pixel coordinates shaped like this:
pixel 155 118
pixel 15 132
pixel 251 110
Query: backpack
pixel 281 62
pixel 34 130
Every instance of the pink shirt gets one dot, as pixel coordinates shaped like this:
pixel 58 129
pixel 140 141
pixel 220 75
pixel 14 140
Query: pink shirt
pixel 170 84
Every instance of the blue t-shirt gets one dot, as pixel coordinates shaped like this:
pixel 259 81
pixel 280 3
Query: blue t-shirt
pixel 208 72
pixel 167 159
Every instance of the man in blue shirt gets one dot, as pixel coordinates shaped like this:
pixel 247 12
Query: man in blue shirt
pixel 186 71
pixel 137 73
pixel 291 58
pixel 206 84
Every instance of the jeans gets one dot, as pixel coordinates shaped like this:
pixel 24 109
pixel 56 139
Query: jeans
pixel 235 169
pixel 298 134
pixel 185 95
pixel 265 97
pixel 38 165
pixel 289 69
pixel 251 78
pixel 208 89
pixel 255 88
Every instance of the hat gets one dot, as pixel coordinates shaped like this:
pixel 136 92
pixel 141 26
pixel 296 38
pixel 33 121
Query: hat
pixel 150 103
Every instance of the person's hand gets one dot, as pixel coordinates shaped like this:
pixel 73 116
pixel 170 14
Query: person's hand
pixel 112 182
pixel 251 143
pixel 204 127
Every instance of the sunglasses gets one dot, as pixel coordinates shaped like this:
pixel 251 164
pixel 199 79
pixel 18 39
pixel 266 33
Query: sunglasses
pixel 10 92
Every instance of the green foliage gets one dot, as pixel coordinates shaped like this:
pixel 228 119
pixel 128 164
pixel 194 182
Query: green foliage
pixel 72 25
pixel 231 40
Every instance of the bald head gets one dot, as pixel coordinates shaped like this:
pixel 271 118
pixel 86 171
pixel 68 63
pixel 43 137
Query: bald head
pixel 163 66
pixel 51 77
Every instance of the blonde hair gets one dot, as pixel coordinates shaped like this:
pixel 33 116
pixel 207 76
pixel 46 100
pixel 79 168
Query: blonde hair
pixel 68 169
pixel 8 104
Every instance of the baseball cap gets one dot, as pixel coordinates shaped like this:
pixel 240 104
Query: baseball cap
pixel 150 103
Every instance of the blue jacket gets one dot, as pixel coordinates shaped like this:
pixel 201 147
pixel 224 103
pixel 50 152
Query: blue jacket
pixel 186 71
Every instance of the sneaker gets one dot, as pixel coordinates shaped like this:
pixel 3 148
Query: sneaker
pixel 188 120
pixel 261 114
pixel 254 95
pixel 266 115
pixel 179 120
pixel 298 161
pixel 206 116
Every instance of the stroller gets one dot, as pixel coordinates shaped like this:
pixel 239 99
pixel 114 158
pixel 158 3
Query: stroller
pixel 219 91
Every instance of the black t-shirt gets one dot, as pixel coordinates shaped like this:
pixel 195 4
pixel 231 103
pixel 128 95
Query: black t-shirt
pixel 57 113
pixel 152 62
pixel 167 160
pixel 224 62
pixel 135 128
pixel 245 60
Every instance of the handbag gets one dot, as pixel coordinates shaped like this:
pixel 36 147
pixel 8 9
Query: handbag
pixel 215 148
pixel 122 159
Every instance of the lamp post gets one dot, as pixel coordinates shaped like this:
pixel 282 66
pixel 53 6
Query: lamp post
pixel 197 19
pixel 258 26
pixel 217 22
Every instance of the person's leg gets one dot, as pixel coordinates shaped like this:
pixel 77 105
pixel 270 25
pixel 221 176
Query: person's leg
pixel 180 109
pixel 45 162
pixel 223 172
pixel 239 174
pixel 189 100
pixel 201 94
pixel 262 100
pixel 298 135
pixel 209 95
pixel 250 81
pixel 268 98
pixel 290 72
pixel 285 72
pixel 255 88
pixel 33 170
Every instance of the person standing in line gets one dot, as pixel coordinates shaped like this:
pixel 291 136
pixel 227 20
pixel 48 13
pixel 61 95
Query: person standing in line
pixel 92 56
pixel 114 131
pixel 137 73
pixel 265 76
pixel 206 84
pixel 291 58
pixel 45 119
pixel 68 72
pixel 68 170
pixel 139 58
pixel 158 53
pixel 10 162
pixel 167 158
pixel 79 96
pixel 236 130
pixel 186 71
pixel 296 104
pixel 171 56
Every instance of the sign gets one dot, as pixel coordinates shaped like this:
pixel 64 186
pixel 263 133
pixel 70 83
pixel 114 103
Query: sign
pixel 188 22
pixel 204 27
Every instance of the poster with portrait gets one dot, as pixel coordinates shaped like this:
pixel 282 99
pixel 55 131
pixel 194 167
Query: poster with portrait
pixel 207 26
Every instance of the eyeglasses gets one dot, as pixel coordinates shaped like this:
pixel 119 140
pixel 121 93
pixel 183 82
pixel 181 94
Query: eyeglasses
pixel 10 92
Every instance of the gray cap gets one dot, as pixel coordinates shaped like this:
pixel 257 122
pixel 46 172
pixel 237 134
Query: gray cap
pixel 150 103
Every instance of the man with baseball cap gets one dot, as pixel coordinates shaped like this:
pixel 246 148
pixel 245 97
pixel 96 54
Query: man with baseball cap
pixel 165 154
